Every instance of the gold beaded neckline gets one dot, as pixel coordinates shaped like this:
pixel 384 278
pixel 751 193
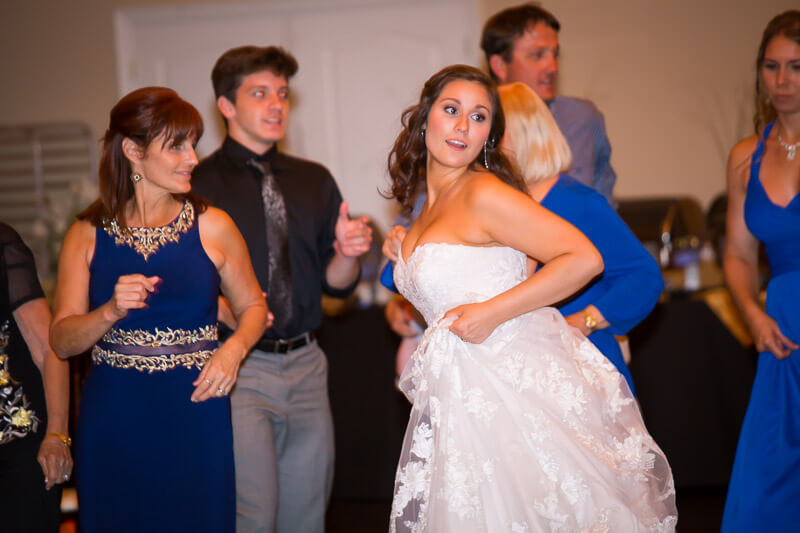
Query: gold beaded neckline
pixel 146 241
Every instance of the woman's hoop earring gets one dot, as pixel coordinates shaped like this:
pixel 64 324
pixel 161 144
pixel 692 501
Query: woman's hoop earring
pixel 136 178
pixel 485 156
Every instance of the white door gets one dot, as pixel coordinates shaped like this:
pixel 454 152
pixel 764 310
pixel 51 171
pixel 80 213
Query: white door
pixel 361 64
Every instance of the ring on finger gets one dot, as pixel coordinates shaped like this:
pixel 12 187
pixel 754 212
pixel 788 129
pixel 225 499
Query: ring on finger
pixel 209 381
pixel 220 392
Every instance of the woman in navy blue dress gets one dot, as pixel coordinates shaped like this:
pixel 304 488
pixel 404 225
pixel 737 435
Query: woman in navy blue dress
pixel 631 283
pixel 764 206
pixel 138 281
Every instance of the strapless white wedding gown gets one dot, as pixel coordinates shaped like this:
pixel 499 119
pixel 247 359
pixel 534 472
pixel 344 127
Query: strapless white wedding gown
pixel 532 430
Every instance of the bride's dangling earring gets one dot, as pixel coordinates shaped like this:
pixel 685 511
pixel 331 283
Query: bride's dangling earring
pixel 485 156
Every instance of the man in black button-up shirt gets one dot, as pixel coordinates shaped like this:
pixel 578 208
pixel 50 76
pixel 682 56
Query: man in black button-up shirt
pixel 283 432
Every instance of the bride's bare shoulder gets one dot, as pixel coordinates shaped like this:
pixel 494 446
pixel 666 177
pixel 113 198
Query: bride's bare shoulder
pixel 485 187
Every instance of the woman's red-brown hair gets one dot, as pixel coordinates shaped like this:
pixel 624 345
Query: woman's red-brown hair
pixel 142 116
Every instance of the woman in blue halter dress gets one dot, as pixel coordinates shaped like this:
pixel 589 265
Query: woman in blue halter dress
pixel 154 440
pixel 764 205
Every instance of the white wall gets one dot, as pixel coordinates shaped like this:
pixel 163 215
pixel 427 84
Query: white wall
pixel 673 78
pixel 342 114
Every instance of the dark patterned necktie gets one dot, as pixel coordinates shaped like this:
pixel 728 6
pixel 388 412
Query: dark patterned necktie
pixel 279 292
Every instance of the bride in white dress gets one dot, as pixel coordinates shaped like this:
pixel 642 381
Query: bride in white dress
pixel 519 424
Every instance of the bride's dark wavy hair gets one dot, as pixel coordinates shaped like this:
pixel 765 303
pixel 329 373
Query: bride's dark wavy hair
pixel 407 160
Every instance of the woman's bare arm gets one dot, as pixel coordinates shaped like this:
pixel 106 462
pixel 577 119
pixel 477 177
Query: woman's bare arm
pixel 33 319
pixel 227 249
pixel 511 218
pixel 740 261
pixel 75 329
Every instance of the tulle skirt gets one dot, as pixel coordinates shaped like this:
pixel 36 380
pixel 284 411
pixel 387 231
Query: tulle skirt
pixel 532 430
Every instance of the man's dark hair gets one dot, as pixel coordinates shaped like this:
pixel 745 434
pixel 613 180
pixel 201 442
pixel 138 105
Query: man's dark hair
pixel 236 63
pixel 503 29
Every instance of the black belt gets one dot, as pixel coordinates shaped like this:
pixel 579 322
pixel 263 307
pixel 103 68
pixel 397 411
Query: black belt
pixel 285 345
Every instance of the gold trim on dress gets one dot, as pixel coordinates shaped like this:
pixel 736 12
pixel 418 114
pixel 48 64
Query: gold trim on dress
pixel 155 338
pixel 160 337
pixel 151 363
pixel 17 419
pixel 146 241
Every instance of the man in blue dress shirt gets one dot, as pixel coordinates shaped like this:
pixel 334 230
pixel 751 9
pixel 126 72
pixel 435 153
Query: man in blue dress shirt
pixel 521 44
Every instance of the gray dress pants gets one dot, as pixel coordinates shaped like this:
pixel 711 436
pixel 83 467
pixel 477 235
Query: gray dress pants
pixel 283 442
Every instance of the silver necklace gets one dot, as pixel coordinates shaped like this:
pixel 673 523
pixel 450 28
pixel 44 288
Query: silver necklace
pixel 791 149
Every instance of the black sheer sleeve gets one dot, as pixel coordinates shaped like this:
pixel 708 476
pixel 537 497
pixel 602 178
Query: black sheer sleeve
pixel 23 283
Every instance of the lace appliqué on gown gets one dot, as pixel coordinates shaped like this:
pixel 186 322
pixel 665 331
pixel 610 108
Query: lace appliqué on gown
pixel 532 430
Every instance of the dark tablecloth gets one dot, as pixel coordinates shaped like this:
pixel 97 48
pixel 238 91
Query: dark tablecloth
pixel 693 381
pixel 369 414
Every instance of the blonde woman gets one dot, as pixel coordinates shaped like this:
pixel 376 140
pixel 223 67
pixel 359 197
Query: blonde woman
pixel 629 287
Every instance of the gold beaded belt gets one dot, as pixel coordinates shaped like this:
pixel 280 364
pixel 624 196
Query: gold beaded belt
pixel 156 351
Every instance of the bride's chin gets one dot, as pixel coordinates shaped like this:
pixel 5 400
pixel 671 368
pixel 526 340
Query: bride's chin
pixel 453 160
